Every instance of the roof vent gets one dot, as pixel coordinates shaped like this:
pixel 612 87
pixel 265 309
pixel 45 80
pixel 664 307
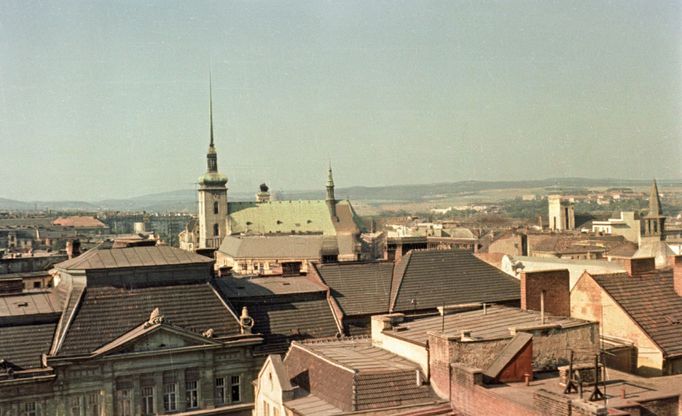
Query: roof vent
pixel 466 335
pixel 22 304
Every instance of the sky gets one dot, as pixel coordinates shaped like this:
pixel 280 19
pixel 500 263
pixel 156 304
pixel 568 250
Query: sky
pixel 109 99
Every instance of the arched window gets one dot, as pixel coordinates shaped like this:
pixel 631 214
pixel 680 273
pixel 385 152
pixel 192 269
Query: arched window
pixel 215 207
pixel 216 230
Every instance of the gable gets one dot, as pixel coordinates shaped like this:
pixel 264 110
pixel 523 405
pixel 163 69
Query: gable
pixel 158 337
pixel 163 339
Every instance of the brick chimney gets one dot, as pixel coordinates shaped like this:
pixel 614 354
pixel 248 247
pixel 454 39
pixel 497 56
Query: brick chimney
pixel 548 290
pixel 637 266
pixel 676 263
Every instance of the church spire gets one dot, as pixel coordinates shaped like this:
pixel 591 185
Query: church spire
pixel 654 202
pixel 212 156
pixel 210 108
pixel 331 199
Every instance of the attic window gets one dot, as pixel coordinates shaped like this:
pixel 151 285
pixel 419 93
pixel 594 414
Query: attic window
pixel 309 221
pixel 279 222
pixel 248 223
pixel 22 304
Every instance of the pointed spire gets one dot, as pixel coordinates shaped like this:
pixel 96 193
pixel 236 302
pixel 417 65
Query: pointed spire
pixel 210 105
pixel 654 202
pixel 330 178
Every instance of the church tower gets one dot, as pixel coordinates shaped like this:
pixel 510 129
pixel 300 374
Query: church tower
pixel 212 196
pixel 330 199
pixel 653 224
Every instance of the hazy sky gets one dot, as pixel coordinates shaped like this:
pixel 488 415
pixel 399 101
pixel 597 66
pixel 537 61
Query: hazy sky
pixel 110 99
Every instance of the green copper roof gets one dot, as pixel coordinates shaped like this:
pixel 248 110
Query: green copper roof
pixel 281 217
pixel 213 178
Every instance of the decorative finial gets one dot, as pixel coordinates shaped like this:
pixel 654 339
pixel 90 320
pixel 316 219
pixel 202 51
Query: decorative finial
pixel 208 333
pixel 245 321
pixel 155 318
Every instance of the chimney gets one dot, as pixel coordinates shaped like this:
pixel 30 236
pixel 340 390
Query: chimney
pixel 73 248
pixel 636 266
pixel 676 263
pixel 547 292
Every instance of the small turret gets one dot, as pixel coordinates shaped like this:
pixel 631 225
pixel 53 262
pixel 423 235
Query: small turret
pixel 330 199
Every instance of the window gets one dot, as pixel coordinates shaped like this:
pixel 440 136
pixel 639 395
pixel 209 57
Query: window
pixel 220 390
pixel 275 411
pixel 169 397
pixel 216 230
pixel 37 285
pixel 123 402
pixel 75 406
pixel 148 400
pixel 215 207
pixel 192 394
pixel 266 408
pixel 92 404
pixel 30 409
pixel 235 390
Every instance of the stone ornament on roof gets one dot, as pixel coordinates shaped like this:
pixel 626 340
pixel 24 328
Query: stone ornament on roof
pixel 245 321
pixel 208 333
pixel 155 318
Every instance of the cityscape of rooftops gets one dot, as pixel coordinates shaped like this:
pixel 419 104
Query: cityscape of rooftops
pixel 314 208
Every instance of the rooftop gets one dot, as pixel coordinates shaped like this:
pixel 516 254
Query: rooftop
pixel 359 288
pixel 357 354
pixel 426 279
pixel 652 302
pixel 244 287
pixel 494 323
pixel 132 257
pixel 307 246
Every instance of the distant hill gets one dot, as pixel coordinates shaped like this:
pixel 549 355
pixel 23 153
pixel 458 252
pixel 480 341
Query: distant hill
pixel 185 199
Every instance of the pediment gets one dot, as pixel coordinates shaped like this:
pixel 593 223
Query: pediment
pixel 156 338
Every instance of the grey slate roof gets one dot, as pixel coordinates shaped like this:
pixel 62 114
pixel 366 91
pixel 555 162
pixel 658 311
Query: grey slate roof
pixel 435 277
pixel 132 257
pixel 359 288
pixel 106 313
pixel 652 303
pixel 283 318
pixel 23 345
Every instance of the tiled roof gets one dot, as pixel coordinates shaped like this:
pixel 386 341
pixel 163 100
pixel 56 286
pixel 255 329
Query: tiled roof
pixel 279 246
pixel 359 288
pixel 493 324
pixel 382 379
pixel 106 313
pixel 426 279
pixel 79 221
pixel 284 318
pixel 652 303
pixel 23 345
pixel 132 257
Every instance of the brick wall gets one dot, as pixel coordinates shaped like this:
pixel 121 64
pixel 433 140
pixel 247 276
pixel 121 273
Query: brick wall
pixel 635 267
pixel 322 378
pixel 554 284
pixel 469 398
